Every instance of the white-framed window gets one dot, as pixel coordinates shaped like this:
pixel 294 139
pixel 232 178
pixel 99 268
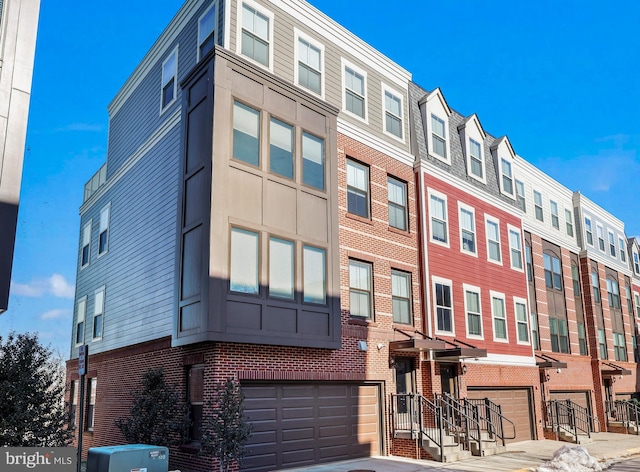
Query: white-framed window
pixel 499 316
pixel 91 406
pixel 98 313
pixel 393 112
pixel 623 249
pixel 613 293
pixel 206 31
pixel 439 137
pixel 309 71
pixel 552 271
pixel 281 136
pixel 255 37
pixel 439 218
pixel 619 347
pixel 245 259
pixel 506 172
pixel 636 262
pixel 476 160
pixel 281 268
pixel 401 296
pixel 85 252
pixel 588 230
pixel 568 217
pixel 313 161
pixel 397 202
pixel 515 248
pixel 612 244
pixel 520 196
pixel 522 320
pixel 354 90
pixel 636 297
pixel 602 342
pixel 360 289
pixel 555 220
pixel 595 285
pixel 357 188
pixel 103 236
pixel 537 203
pixel 81 313
pixel 494 251
pixel 169 88
pixel 473 311
pixel 559 333
pixel 600 231
pixel 314 275
pixel 443 305
pixel 468 241
pixel 246 134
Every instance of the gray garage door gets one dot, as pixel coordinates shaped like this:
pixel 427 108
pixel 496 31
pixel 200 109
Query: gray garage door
pixel 581 397
pixel 298 424
pixel 516 406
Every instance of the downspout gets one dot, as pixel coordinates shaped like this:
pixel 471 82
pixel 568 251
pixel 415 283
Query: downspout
pixel 425 260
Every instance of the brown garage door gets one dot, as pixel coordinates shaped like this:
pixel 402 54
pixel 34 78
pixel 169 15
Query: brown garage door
pixel 297 424
pixel 516 406
pixel 580 397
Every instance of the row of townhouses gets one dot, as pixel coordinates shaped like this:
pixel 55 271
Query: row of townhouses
pixel 283 205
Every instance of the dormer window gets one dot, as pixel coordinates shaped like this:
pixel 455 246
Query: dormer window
pixel 475 155
pixel 438 137
pixel 507 176
pixel 636 262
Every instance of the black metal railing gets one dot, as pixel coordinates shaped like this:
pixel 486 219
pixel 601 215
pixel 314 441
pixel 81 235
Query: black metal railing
pixel 492 419
pixel 568 416
pixel 627 412
pixel 461 421
pixel 418 416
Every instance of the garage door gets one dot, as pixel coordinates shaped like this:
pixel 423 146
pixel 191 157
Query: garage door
pixel 516 406
pixel 579 397
pixel 298 424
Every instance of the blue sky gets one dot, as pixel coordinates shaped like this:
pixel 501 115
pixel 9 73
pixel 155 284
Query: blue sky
pixel 559 78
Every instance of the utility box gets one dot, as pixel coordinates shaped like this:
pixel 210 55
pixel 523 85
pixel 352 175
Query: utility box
pixel 128 458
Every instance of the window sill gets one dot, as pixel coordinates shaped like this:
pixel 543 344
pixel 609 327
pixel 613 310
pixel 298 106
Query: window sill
pixel 358 321
pixel 402 232
pixel 359 218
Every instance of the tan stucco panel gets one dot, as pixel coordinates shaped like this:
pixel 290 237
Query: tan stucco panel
pixel 280 207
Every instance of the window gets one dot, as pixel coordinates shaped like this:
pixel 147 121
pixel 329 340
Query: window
pixel 522 320
pixel 73 402
pixel 280 148
pixel 522 203
pixel 355 94
pixel 612 244
pixel 569 222
pixel 589 231
pixel 515 245
pixel 555 221
pixel 438 211
pixel 559 335
pixel 91 407
pixel 629 299
pixel 169 81
pixel 360 289
pixel 537 203
pixel 582 340
pixel 636 297
pixel 473 310
pixel 281 268
pixel 81 314
pixel 507 176
pixel 310 65
pixel 475 154
pixel 397 194
pixel 636 262
pixel 313 161
pixel 552 272
pixel 246 134
pixel 438 137
pixel 493 241
pixel 195 395
pixel 85 257
pixel 103 239
pixel 315 275
pixel 620 347
pixel 444 306
pixel 600 237
pixel 244 270
pixel 613 293
pixel 499 316
pixel 602 343
pixel 401 296
pixel 256 35
pixel 467 230
pixel 392 113
pixel 575 276
pixel 535 336
pixel 98 313
pixel 206 31
pixel 529 262
pixel 357 189
pixel 595 284
pixel 623 250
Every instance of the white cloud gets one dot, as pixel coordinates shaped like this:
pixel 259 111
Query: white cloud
pixel 80 127
pixel 55 285
pixel 56 314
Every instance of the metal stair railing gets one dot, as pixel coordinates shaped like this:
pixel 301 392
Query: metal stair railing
pixel 461 421
pixel 491 417
pixel 421 417
pixel 628 413
pixel 565 415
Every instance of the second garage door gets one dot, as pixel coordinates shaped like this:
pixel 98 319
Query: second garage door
pixel 298 424
pixel 516 406
pixel 579 397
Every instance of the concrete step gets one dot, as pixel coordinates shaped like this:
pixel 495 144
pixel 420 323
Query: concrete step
pixel 452 452
pixel 569 437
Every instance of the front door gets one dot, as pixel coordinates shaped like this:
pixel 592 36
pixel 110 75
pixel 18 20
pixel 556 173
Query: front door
pixel 448 379
pixel 608 397
pixel 404 382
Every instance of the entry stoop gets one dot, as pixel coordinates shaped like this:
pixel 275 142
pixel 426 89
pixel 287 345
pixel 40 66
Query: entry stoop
pixel 453 451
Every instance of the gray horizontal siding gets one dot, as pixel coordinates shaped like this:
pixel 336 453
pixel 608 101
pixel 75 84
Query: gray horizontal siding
pixel 138 271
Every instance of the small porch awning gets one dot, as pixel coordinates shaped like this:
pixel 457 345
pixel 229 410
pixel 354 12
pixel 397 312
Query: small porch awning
pixel 609 369
pixel 547 362
pixel 457 350
pixel 415 345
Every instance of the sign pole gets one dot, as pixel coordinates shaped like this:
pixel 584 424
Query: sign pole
pixel 83 360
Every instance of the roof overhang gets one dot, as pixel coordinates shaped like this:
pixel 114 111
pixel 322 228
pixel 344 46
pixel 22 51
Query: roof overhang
pixel 415 345
pixel 454 354
pixel 608 369
pixel 549 364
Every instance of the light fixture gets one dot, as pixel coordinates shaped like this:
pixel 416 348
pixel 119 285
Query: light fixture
pixel 380 346
pixel 464 369
pixel 548 376
pixel 559 370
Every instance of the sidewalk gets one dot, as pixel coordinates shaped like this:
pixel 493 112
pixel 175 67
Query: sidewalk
pixel 519 457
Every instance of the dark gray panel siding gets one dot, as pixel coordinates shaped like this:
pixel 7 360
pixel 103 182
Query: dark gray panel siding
pixel 138 270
